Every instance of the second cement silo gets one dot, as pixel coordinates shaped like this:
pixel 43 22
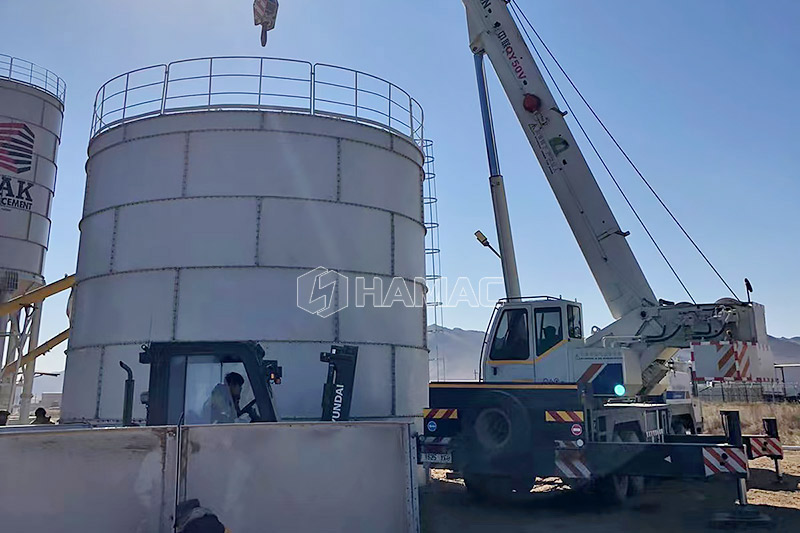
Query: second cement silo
pixel 31 113
pixel 216 188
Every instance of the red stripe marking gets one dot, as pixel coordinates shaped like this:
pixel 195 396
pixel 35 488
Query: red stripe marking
pixel 557 416
pixel 759 446
pixel 742 462
pixel 746 367
pixel 731 371
pixel 572 468
pixel 590 372
pixel 574 416
pixel 774 446
pixel 725 358
pixel 731 453
pixel 711 466
pixel 755 451
pixel 744 351
pixel 718 458
pixel 448 413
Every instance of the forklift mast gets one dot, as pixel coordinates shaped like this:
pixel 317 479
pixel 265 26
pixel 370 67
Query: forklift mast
pixel 337 394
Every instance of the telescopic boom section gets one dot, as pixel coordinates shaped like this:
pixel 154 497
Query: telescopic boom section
pixel 602 242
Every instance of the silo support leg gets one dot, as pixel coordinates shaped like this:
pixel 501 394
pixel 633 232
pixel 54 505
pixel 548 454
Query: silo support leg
pixel 30 367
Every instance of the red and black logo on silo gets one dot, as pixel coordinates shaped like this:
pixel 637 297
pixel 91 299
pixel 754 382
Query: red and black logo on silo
pixel 16 147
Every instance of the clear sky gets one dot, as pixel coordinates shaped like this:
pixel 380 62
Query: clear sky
pixel 703 95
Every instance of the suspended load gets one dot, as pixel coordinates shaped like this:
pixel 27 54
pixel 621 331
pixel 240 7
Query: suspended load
pixel 264 14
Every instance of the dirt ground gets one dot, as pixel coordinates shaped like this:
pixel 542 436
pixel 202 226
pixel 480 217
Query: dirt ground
pixel 666 506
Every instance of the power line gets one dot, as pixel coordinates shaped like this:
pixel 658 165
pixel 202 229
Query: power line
pixel 515 7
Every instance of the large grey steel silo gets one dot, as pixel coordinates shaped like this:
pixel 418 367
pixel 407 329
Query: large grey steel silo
pixel 212 185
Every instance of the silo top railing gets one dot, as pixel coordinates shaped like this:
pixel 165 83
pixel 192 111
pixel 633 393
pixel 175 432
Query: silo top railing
pixel 257 83
pixel 16 69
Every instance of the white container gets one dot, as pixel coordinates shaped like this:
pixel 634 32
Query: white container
pixel 31 112
pixel 197 225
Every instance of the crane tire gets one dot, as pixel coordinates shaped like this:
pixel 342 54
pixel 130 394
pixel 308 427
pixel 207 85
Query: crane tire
pixel 501 426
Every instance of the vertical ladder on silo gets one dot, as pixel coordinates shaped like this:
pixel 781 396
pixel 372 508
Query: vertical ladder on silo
pixel 433 267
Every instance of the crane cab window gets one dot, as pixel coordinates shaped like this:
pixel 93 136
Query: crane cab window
pixel 511 337
pixel 574 322
pixel 548 328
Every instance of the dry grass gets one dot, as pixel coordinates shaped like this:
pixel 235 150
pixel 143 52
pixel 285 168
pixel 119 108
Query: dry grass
pixel 788 415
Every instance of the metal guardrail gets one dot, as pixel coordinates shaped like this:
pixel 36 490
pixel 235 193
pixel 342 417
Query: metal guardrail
pixel 257 83
pixel 16 69
pixel 750 392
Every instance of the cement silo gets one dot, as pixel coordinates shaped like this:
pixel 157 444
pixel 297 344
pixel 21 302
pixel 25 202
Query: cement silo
pixel 31 112
pixel 215 189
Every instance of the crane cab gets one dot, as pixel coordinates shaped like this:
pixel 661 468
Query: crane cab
pixel 527 339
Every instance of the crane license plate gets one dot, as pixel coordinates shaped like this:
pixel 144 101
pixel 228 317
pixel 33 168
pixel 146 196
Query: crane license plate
pixel 440 458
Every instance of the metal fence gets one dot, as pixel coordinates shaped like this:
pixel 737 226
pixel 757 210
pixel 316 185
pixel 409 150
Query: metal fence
pixel 16 69
pixel 257 83
pixel 742 392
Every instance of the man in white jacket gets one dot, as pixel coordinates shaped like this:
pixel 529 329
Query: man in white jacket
pixel 222 406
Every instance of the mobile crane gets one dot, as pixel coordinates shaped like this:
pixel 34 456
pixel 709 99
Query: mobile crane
pixel 549 395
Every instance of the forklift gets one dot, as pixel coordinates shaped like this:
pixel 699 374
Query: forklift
pixel 183 374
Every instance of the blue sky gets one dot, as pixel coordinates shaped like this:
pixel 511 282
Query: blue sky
pixel 701 94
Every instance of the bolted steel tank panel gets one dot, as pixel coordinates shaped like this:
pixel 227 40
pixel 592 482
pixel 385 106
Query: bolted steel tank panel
pixel 31 113
pixel 197 225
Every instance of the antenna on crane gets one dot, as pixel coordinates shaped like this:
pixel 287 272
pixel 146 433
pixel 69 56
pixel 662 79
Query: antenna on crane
pixel 264 14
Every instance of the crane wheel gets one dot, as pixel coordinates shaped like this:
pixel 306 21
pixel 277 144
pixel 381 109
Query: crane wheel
pixel 501 426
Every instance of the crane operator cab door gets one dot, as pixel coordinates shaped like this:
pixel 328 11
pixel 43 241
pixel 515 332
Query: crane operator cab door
pixel 209 383
pixel 526 338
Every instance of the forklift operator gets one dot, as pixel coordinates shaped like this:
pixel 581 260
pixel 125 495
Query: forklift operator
pixel 222 406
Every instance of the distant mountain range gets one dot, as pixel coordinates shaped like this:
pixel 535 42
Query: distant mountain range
pixel 785 350
pixel 455 353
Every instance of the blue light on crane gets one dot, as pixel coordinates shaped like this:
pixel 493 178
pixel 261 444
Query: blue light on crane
pixel 619 389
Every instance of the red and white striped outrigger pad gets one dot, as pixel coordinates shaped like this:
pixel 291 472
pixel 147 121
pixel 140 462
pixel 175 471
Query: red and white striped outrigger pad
pixel 765 446
pixel 265 12
pixel 724 461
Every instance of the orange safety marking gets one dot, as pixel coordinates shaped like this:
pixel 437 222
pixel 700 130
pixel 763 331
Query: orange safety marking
pixel 448 414
pixel 724 359
pixel 563 416
pixel 593 369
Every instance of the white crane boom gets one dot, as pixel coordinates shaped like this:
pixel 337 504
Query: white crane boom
pixel 493 32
